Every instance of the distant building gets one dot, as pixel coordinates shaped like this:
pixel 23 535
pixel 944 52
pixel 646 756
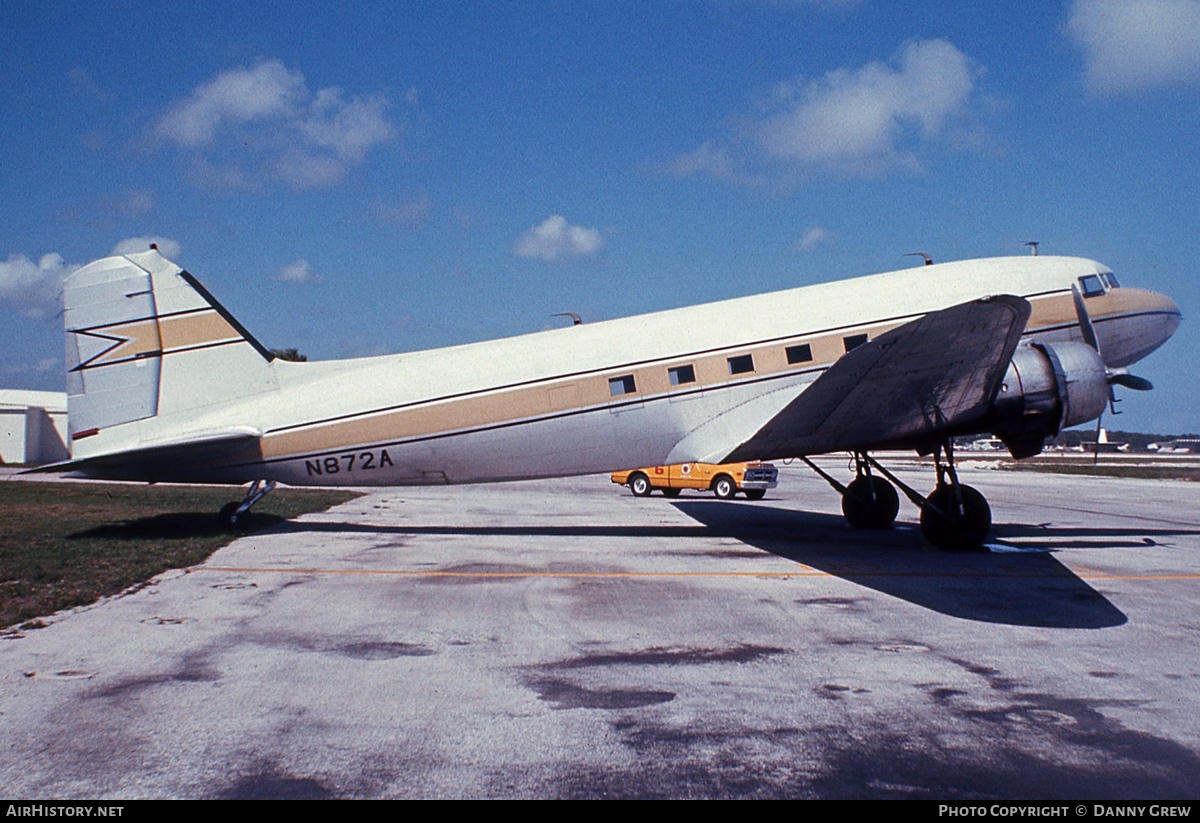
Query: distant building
pixel 33 426
pixel 1105 446
pixel 1182 445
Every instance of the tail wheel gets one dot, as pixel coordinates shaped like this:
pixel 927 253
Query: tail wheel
pixel 952 528
pixel 231 521
pixel 671 492
pixel 755 494
pixel 639 484
pixel 724 487
pixel 870 503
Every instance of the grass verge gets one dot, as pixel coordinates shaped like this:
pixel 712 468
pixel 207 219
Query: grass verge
pixel 1139 471
pixel 68 544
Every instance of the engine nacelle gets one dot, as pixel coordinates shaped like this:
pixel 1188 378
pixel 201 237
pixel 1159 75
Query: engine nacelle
pixel 1048 387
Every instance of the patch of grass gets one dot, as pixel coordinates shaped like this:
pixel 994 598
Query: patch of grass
pixel 1139 471
pixel 68 544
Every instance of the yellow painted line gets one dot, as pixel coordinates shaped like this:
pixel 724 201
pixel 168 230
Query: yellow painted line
pixel 418 573
pixel 803 571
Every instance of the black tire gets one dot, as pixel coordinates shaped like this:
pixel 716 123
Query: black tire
pixel 639 484
pixel 724 487
pixel 959 530
pixel 870 503
pixel 671 492
pixel 755 494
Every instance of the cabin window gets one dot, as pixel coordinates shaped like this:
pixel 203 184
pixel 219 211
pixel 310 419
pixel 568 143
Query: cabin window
pixel 854 341
pixel 618 386
pixel 1091 285
pixel 682 374
pixel 799 354
pixel 741 364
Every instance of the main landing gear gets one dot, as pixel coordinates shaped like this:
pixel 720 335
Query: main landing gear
pixel 234 516
pixel 869 502
pixel 954 517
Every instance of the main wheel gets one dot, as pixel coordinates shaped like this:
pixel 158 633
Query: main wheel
pixel 724 487
pixel 639 484
pixel 755 494
pixel 671 492
pixel 870 503
pixel 960 529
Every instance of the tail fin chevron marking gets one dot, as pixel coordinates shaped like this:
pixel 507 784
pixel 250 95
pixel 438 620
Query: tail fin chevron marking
pixel 144 340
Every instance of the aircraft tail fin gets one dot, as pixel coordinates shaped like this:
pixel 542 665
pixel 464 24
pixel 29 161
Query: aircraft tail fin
pixel 145 339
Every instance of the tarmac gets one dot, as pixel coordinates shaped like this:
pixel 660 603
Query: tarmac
pixel 564 639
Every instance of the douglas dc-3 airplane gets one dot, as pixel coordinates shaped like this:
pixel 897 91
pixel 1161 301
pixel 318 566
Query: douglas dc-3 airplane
pixel 165 385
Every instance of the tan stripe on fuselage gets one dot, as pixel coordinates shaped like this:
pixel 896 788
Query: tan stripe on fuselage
pixel 556 396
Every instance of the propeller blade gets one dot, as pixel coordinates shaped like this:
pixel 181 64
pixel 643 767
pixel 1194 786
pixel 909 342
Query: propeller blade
pixel 1085 321
pixel 1130 381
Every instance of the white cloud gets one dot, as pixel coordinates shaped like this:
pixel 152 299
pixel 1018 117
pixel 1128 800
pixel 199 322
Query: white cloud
pixel 851 120
pixel 298 272
pixel 710 159
pixel 1130 44
pixel 858 120
pixel 232 98
pixel 35 289
pixel 167 247
pixel 264 122
pixel 347 128
pixel 813 237
pixel 554 239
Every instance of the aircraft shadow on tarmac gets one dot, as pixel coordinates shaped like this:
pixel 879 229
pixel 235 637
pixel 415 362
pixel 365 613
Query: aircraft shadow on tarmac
pixel 1019 584
pixel 1021 588
pixel 171 526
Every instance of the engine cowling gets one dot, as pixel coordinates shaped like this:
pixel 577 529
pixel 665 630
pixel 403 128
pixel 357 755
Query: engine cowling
pixel 1048 386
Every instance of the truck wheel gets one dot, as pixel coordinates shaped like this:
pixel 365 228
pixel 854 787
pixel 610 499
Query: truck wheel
pixel 639 484
pixel 724 487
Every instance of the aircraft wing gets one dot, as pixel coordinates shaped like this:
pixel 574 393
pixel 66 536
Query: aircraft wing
pixel 909 385
pixel 172 460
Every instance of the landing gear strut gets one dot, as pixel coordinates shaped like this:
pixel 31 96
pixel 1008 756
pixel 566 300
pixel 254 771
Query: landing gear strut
pixel 869 502
pixel 234 516
pixel 955 517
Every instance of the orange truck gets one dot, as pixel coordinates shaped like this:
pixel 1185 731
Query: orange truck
pixel 725 480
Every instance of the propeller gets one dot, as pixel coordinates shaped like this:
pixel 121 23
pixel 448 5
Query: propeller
pixel 1115 376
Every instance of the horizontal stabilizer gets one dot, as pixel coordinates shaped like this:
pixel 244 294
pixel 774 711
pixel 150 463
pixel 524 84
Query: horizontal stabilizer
pixel 914 383
pixel 176 459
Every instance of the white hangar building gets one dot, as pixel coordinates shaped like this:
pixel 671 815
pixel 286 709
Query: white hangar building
pixel 33 426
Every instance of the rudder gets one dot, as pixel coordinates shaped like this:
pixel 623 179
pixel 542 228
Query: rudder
pixel 144 340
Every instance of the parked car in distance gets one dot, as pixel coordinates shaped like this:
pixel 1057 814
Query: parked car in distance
pixel 725 480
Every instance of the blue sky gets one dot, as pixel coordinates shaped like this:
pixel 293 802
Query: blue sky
pixel 358 179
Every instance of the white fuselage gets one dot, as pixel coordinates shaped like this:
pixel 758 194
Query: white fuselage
pixel 687 384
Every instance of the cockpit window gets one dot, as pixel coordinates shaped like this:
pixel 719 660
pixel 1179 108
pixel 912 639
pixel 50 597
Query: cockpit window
pixel 1110 279
pixel 1091 285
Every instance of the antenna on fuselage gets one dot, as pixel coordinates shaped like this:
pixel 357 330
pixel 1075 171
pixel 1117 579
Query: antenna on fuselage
pixel 927 258
pixel 576 320
pixel 1033 244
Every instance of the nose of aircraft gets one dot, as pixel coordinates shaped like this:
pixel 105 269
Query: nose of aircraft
pixel 1149 321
